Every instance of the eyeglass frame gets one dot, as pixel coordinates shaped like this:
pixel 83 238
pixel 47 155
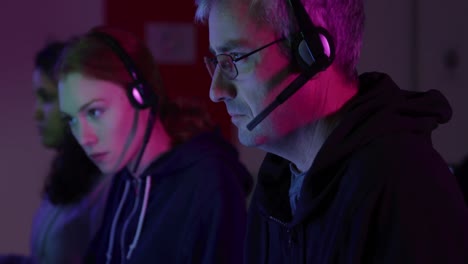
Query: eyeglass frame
pixel 214 60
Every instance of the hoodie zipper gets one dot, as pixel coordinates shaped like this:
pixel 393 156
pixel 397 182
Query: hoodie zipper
pixel 278 221
pixel 136 204
pixel 291 239
pixel 288 230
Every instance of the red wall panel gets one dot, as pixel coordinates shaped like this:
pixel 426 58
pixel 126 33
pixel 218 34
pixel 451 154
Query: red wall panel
pixel 187 80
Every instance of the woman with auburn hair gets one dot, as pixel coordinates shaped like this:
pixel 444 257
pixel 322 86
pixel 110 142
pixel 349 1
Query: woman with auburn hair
pixel 178 195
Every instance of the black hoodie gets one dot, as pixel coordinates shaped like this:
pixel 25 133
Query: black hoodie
pixel 188 207
pixel 377 191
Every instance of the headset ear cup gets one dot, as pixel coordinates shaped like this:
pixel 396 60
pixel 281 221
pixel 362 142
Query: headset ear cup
pixel 305 54
pixel 136 98
pixel 324 38
pixel 328 47
pixel 305 57
pixel 301 53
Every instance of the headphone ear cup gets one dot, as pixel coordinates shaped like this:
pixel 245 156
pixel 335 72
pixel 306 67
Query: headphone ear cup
pixel 304 55
pixel 142 96
pixel 134 94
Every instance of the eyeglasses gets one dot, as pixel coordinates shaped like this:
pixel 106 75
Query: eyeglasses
pixel 228 63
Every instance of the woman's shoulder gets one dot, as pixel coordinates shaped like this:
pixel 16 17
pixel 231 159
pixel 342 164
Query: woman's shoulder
pixel 97 196
pixel 94 200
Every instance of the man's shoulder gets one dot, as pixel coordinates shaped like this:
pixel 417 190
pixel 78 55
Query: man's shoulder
pixel 399 150
pixel 398 161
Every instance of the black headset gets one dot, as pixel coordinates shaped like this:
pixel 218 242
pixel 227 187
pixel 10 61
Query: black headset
pixel 312 43
pixel 139 92
pixel 313 50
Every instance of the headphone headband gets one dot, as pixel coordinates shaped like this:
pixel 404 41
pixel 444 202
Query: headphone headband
pixel 139 91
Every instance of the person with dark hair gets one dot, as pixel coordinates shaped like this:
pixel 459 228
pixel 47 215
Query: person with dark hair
pixel 74 192
pixel 47 114
pixel 179 194
pixel 351 175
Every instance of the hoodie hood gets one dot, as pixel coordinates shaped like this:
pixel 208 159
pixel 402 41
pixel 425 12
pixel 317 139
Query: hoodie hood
pixel 380 108
pixel 186 154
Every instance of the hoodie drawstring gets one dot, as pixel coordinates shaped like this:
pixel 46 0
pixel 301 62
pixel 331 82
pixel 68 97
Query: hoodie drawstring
pixel 141 218
pixel 114 223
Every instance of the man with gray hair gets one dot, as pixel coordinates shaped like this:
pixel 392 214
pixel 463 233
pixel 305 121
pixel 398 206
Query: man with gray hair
pixel 351 175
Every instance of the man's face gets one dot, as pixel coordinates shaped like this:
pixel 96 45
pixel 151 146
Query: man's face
pixel 261 77
pixel 47 114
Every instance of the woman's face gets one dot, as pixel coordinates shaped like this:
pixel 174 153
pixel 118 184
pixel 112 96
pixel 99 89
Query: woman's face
pixel 102 120
pixel 47 113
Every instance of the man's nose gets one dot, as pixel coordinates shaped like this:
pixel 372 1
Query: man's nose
pixel 221 88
